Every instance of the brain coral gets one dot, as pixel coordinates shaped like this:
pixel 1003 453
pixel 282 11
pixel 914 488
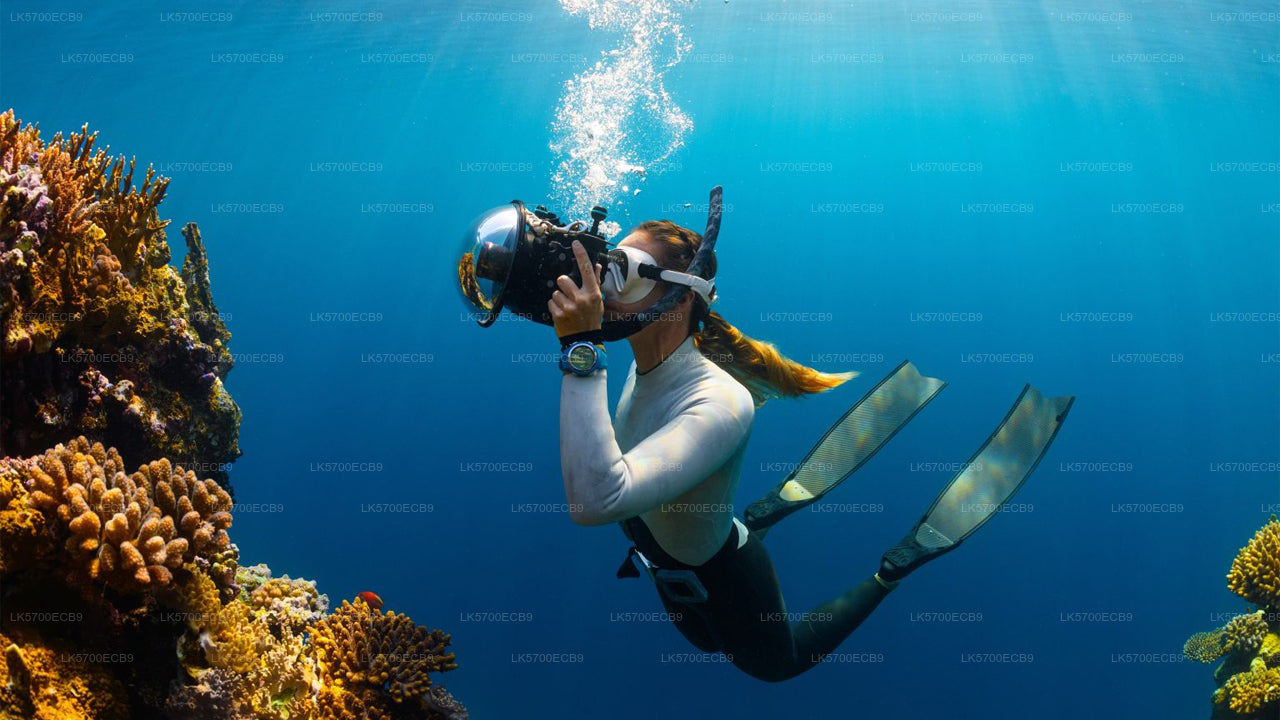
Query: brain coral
pixel 127 531
pixel 101 336
pixel 1255 573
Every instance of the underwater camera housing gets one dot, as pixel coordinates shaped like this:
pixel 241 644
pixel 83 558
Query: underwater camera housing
pixel 511 257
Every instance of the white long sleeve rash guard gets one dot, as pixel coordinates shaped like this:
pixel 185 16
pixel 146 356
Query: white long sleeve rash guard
pixel 672 455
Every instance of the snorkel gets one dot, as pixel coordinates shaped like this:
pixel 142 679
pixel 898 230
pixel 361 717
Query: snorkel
pixel 512 257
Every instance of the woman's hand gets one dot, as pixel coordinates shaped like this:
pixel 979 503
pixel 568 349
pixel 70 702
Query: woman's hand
pixel 576 309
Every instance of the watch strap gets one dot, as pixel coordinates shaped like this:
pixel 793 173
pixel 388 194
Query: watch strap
pixel 595 337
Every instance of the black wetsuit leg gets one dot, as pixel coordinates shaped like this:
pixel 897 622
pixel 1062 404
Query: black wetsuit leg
pixel 745 616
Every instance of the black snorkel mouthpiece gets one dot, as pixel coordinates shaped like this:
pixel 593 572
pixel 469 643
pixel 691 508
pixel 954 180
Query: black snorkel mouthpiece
pixel 512 256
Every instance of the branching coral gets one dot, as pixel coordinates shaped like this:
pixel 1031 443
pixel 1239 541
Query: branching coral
pixel 1252 692
pixel 101 335
pixel 128 532
pixel 1255 573
pixel 361 647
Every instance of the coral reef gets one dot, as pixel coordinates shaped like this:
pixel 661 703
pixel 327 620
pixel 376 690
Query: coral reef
pixel 123 593
pixel 1249 644
pixel 1255 574
pixel 149 556
pixel 101 336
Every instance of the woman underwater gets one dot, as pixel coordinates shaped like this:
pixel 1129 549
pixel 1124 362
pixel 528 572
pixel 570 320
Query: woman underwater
pixel 667 466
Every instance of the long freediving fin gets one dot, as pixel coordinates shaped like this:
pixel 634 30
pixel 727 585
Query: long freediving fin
pixel 980 490
pixel 851 441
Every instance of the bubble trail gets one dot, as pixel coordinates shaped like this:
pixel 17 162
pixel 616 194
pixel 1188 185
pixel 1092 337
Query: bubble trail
pixel 616 121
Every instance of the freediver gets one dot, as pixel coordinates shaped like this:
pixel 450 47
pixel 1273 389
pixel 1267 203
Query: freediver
pixel 667 466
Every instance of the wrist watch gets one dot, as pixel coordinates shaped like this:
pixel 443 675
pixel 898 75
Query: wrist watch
pixel 583 358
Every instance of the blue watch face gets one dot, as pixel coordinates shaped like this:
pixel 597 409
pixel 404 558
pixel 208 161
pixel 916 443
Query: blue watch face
pixel 582 358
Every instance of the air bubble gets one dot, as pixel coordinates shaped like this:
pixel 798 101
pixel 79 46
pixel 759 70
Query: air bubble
pixel 616 120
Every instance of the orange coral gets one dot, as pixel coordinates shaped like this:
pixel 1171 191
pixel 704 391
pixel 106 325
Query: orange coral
pixel 358 646
pixel 1255 573
pixel 129 532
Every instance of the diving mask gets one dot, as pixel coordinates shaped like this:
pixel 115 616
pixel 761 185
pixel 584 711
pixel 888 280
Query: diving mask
pixel 632 273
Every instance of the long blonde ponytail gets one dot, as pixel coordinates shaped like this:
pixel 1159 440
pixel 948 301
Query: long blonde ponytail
pixel 756 364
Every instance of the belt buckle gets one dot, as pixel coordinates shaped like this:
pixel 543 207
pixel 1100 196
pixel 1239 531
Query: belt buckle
pixel 681 586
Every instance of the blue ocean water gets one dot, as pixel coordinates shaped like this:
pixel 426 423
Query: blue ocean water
pixel 1086 193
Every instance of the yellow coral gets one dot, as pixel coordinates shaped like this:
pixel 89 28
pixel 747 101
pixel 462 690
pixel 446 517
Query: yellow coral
pixel 225 636
pixel 1250 692
pixel 129 532
pixel 1270 650
pixel 49 682
pixel 1255 573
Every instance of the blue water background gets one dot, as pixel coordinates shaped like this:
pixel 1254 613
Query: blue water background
pixel 760 94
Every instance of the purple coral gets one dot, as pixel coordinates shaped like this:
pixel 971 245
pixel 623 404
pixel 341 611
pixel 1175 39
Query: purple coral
pixel 209 699
pixel 27 207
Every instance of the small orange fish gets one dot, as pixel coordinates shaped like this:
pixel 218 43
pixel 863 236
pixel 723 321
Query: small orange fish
pixel 371 599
